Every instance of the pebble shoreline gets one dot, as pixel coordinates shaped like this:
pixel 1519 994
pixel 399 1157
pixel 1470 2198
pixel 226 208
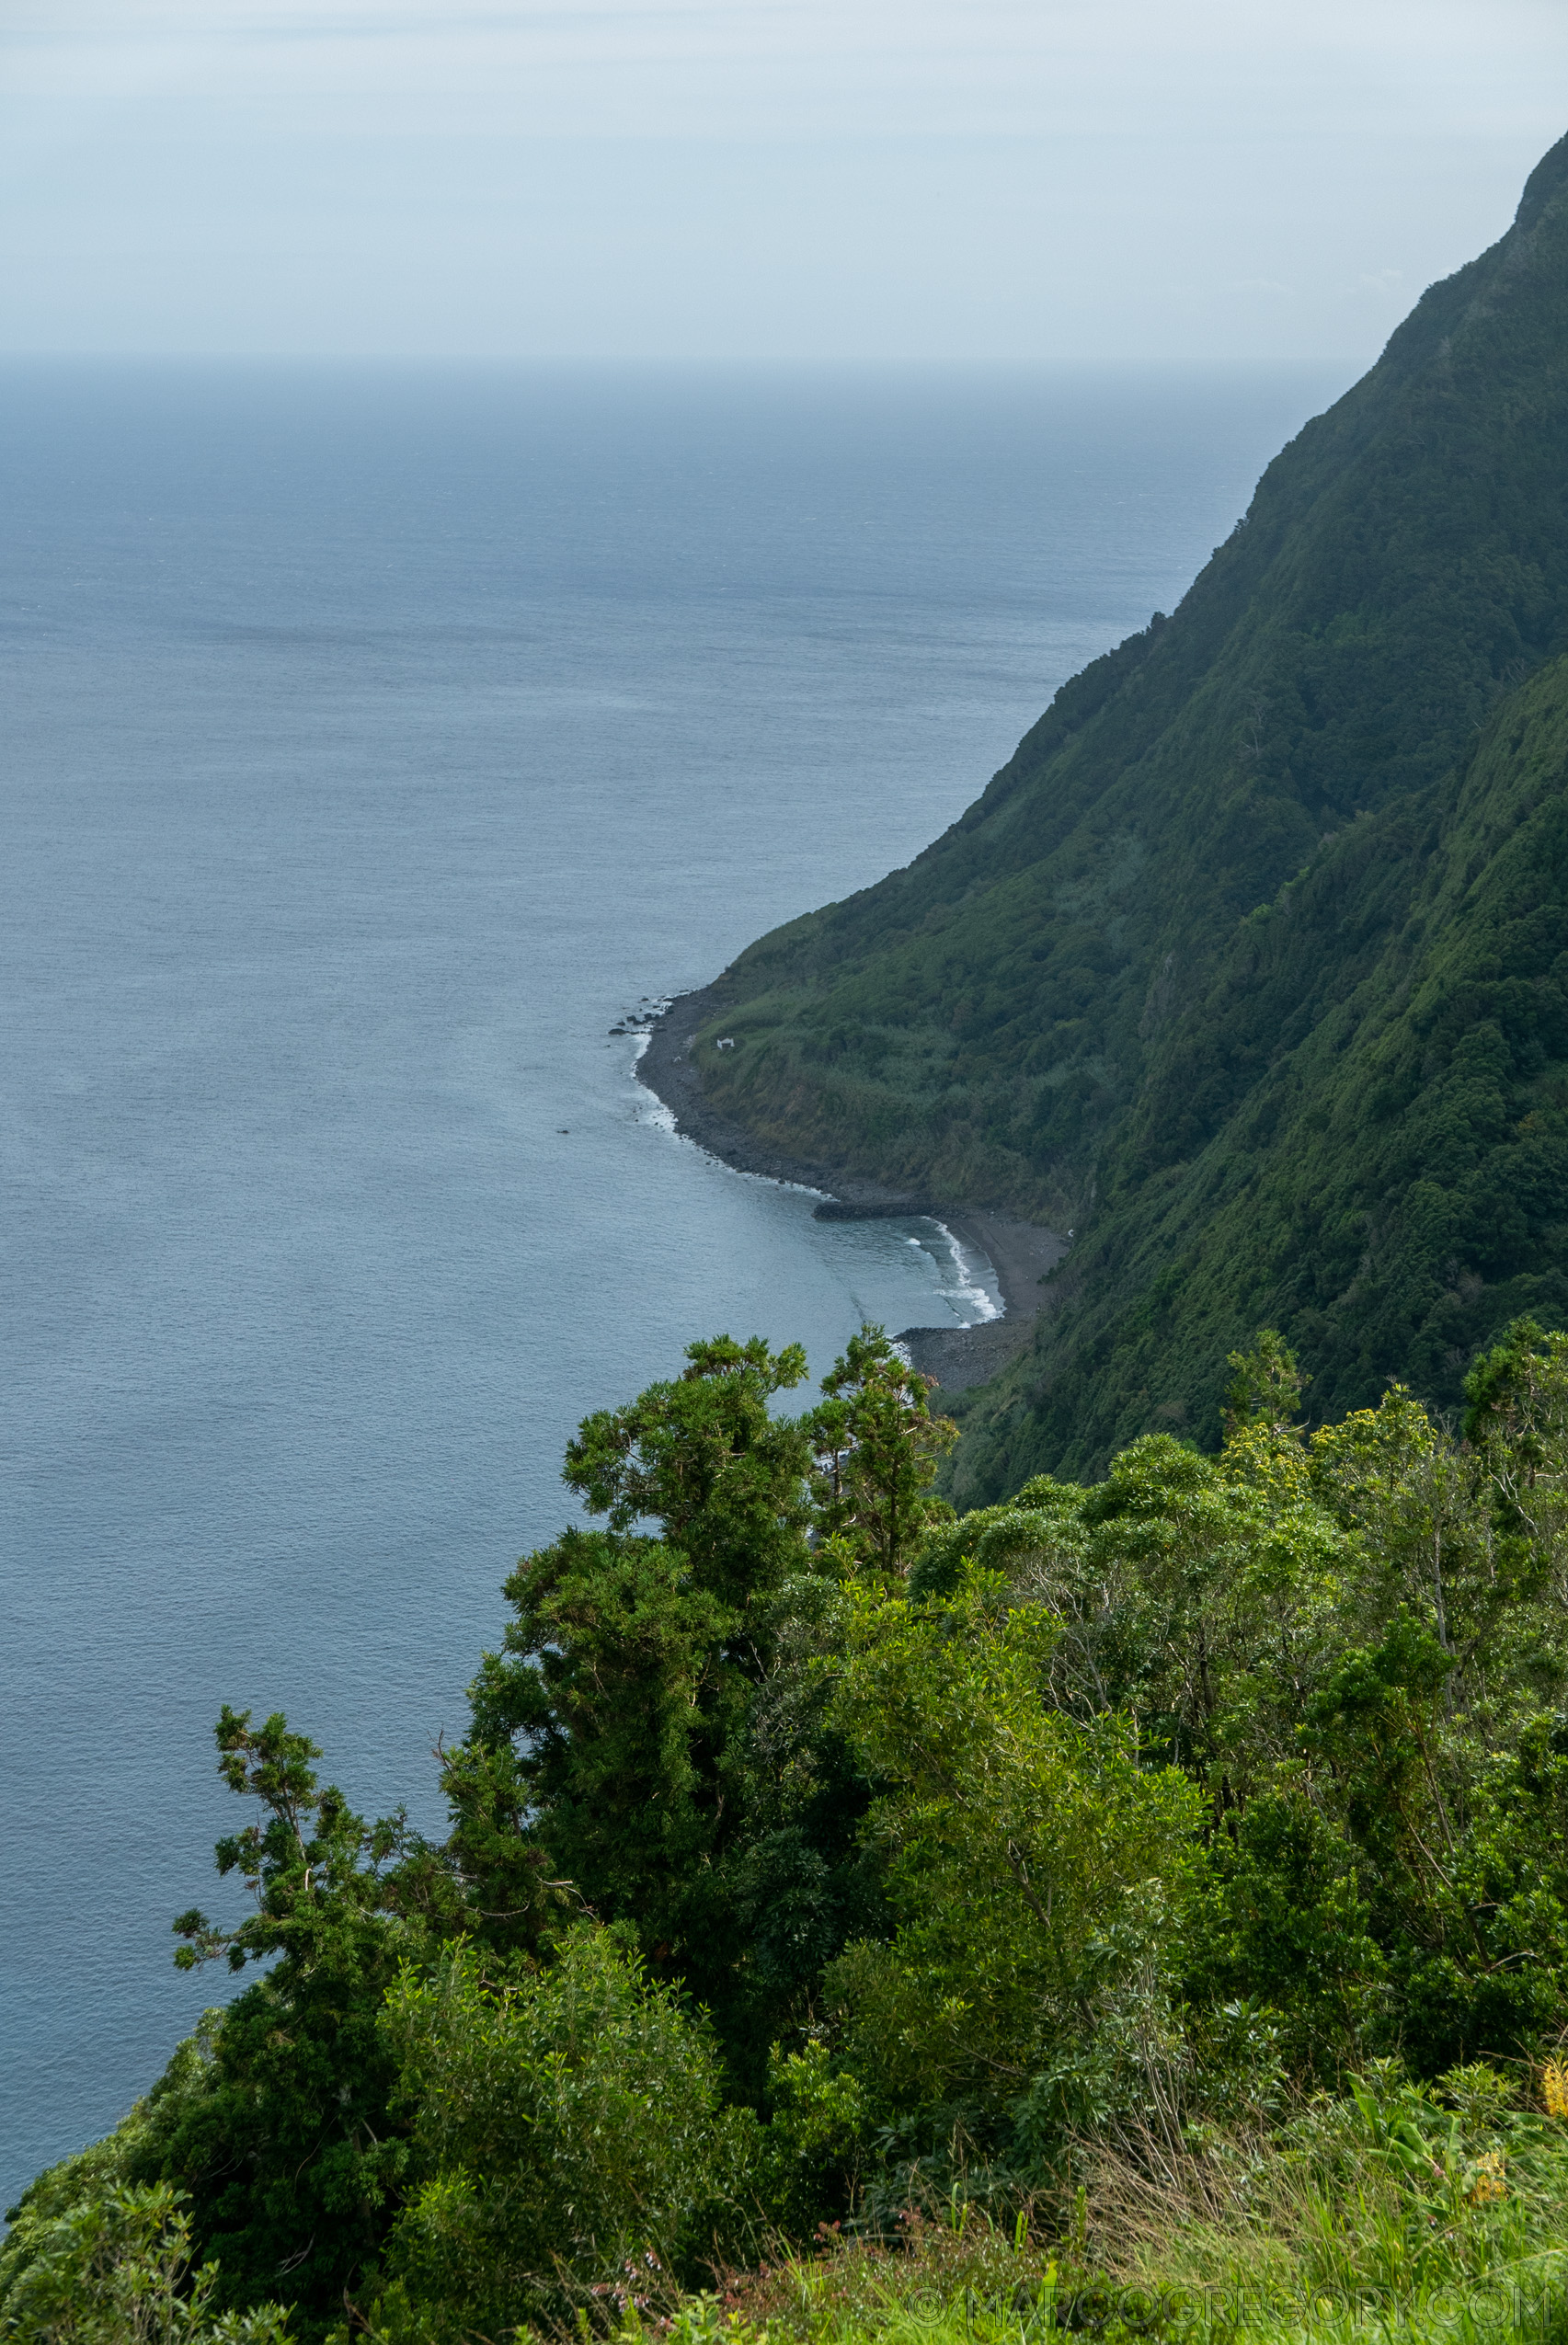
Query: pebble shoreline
pixel 1020 1252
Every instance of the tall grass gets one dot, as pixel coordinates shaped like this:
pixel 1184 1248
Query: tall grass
pixel 1394 2216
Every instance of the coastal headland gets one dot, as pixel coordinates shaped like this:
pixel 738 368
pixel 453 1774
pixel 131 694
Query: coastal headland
pixel 1020 1252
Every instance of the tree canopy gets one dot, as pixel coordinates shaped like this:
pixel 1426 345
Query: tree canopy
pixel 813 1846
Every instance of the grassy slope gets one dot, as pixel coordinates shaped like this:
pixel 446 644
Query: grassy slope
pixel 1069 1002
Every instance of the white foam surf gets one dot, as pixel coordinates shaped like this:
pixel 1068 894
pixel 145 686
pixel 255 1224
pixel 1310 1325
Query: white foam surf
pixel 970 1291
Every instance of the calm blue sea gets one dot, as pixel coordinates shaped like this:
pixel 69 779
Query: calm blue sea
pixel 372 742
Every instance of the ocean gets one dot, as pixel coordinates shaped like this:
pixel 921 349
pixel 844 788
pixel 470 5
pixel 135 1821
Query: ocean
pixel 373 742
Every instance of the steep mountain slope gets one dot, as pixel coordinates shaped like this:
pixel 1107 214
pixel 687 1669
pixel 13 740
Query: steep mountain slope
pixel 1071 1002
pixel 1392 1185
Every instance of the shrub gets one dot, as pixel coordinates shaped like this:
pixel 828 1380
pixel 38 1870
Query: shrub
pixel 569 2140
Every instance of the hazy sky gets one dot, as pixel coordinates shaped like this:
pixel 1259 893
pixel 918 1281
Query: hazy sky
pixel 1057 181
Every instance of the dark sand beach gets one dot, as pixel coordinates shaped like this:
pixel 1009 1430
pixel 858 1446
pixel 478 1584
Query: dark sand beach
pixel 1021 1252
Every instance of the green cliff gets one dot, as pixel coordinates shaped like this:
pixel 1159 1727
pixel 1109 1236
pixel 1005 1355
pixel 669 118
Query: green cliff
pixel 1246 964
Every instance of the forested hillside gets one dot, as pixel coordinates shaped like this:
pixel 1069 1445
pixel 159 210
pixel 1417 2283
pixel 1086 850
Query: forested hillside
pixel 1361 1134
pixel 1239 916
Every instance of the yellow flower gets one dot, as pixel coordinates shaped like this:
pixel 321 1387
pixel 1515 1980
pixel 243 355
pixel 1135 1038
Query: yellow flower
pixel 1554 2087
pixel 1489 2182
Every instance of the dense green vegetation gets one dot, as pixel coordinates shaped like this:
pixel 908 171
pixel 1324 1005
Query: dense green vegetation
pixel 1392 1182
pixel 1161 1882
pixel 1246 966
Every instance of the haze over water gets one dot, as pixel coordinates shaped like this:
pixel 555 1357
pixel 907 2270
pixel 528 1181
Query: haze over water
pixel 372 743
